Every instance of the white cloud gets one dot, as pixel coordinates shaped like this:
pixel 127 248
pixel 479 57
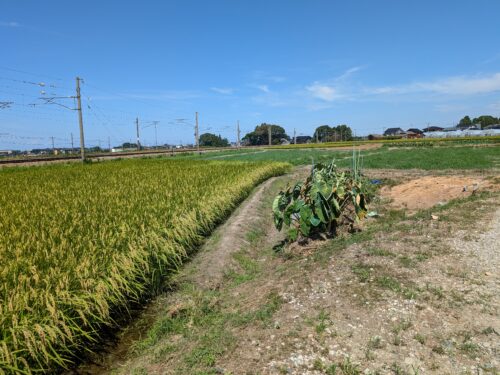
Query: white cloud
pixel 260 87
pixel 459 85
pixel 223 90
pixel 9 24
pixel 263 88
pixel 323 92
pixel 349 72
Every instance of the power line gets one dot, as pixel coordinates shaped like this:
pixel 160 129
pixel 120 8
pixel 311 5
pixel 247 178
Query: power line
pixel 30 73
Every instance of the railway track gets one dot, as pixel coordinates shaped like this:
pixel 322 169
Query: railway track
pixel 108 155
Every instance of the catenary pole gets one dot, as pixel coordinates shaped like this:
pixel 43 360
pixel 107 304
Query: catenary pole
pixel 238 143
pixel 137 131
pixel 197 134
pixel 80 118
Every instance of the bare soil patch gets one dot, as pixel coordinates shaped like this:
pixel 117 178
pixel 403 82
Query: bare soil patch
pixel 428 191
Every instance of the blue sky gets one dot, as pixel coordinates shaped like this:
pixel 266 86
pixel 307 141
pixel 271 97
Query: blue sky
pixel 369 64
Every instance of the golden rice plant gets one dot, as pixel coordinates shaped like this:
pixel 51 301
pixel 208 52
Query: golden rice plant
pixel 78 243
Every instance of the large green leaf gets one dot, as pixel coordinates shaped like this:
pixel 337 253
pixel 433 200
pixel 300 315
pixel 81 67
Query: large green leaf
pixel 305 227
pixel 296 190
pixel 305 213
pixel 336 207
pixel 297 205
pixel 276 204
pixel 325 207
pixel 315 221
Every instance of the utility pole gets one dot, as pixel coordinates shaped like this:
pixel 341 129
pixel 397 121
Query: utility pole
pixel 53 147
pixel 317 141
pixel 238 143
pixel 80 118
pixel 294 136
pixel 138 137
pixel 269 134
pixel 196 135
pixel 109 144
pixel 156 137
pixel 72 143
pixel 155 123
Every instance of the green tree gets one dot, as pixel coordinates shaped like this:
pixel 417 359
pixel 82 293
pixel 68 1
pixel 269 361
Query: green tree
pixel 465 122
pixel 343 133
pixel 326 133
pixel 260 135
pixel 322 133
pixel 212 140
pixel 486 120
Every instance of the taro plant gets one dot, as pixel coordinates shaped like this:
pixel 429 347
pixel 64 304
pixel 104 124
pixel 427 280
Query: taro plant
pixel 327 198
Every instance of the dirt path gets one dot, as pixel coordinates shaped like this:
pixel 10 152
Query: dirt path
pixel 216 256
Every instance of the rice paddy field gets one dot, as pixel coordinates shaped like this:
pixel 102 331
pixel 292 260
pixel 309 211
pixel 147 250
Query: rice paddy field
pixel 80 242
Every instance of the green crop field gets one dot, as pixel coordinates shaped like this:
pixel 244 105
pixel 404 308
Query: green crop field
pixel 429 158
pixel 78 242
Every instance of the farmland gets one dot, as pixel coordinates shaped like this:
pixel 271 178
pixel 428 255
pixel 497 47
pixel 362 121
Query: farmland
pixel 412 292
pixel 79 242
pixel 428 158
pixel 407 295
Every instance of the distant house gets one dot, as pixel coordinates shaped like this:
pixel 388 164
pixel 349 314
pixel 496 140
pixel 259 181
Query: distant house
pixel 5 152
pixel 411 134
pixel 394 131
pixel 415 130
pixel 433 129
pixel 451 129
pixel 301 139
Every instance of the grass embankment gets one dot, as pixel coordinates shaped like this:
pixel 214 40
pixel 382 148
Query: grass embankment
pixel 79 242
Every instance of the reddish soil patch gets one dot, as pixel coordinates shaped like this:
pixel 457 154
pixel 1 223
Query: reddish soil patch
pixel 426 192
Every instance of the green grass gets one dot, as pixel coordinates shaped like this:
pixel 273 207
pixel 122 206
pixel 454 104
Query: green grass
pixel 466 157
pixel 295 157
pixel 428 158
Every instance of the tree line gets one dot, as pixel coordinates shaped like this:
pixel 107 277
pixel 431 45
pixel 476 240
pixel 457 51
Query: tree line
pixel 260 136
pixel 484 120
